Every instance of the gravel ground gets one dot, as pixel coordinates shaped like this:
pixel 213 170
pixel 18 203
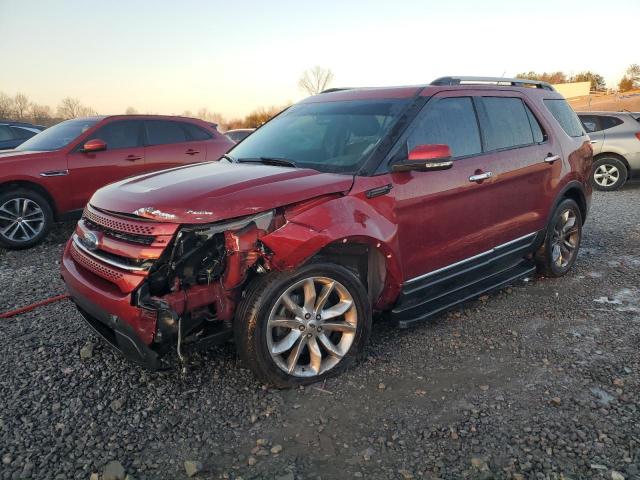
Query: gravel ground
pixel 540 380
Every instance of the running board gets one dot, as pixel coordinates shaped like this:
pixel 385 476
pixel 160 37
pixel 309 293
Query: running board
pixel 408 311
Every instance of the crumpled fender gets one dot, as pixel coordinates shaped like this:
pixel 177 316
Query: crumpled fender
pixel 339 219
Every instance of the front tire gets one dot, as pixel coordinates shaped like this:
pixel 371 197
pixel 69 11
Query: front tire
pixel 297 328
pixel 25 218
pixel 608 174
pixel 559 251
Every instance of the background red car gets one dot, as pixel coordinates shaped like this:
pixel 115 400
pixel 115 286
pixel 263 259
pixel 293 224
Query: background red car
pixel 54 173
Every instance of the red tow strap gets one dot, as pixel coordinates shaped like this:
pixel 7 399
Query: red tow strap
pixel 33 306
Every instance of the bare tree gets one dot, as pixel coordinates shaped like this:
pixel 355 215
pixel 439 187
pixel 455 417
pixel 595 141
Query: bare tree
pixel 633 72
pixel 72 108
pixel 6 106
pixel 212 117
pixel 20 106
pixel 315 80
pixel 40 114
pixel 131 111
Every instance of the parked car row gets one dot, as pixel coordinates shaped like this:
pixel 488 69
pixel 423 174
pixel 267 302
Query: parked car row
pixel 53 174
pixel 615 137
pixel 13 134
pixel 404 201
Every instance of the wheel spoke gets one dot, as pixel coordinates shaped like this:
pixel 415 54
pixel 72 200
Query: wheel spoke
pixel 24 226
pixel 338 327
pixel 12 235
pixel 286 343
pixel 292 323
pixel 292 359
pixel 309 295
pixel 571 221
pixel 337 310
pixel 324 296
pixel 8 219
pixel 315 355
pixel 328 344
pixel 292 306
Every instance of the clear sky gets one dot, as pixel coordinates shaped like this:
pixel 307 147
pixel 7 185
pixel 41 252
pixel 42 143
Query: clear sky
pixel 233 56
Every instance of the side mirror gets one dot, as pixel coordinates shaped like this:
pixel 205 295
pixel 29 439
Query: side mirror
pixel 95 145
pixel 424 158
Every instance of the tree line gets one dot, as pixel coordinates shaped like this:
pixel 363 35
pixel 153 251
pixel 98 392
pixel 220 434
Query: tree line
pixel 630 81
pixel 313 81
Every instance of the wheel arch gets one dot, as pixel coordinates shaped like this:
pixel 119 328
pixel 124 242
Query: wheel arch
pixel 575 191
pixel 29 185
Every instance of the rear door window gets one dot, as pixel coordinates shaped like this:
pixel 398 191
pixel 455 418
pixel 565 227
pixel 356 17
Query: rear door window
pixel 161 132
pixel 22 133
pixel 451 121
pixel 120 134
pixel 565 116
pixel 5 133
pixel 590 123
pixel 196 133
pixel 505 123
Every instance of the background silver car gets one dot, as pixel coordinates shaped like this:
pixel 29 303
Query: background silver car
pixel 615 137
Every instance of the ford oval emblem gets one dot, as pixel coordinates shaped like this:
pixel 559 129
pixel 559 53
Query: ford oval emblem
pixel 91 240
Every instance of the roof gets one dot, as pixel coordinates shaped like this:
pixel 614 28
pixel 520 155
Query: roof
pixel 443 83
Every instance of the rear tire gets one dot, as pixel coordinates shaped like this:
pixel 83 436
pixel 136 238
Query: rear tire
pixel 297 328
pixel 558 253
pixel 608 174
pixel 25 218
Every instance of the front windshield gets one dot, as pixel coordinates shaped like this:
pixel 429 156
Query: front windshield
pixel 58 136
pixel 333 137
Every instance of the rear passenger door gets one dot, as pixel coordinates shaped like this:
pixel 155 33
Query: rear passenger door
pixel 595 131
pixel 524 161
pixel 169 144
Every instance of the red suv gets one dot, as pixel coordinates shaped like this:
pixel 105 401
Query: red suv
pixel 400 200
pixel 55 172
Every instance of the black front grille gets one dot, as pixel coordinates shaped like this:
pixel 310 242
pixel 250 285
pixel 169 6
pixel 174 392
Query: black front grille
pixel 127 237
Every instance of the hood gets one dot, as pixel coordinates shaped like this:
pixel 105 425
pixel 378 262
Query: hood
pixel 209 192
pixel 13 154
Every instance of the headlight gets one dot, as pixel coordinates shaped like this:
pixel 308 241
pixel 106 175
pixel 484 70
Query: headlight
pixel 263 221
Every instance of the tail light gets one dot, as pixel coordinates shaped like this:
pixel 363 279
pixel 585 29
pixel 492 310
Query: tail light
pixel 638 135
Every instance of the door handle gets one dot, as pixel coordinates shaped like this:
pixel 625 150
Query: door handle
pixel 551 158
pixel 593 141
pixel 133 158
pixel 191 152
pixel 480 176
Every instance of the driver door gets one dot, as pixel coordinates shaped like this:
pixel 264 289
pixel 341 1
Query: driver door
pixel 123 157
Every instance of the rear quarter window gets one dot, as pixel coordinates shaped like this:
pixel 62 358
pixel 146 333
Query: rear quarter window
pixel 607 122
pixel 196 133
pixel 565 116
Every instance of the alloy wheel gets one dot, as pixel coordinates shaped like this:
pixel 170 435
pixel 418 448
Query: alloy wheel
pixel 565 239
pixel 21 219
pixel 606 175
pixel 311 327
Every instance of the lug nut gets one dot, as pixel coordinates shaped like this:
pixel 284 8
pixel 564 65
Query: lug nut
pixel 318 317
pixel 308 335
pixel 319 329
pixel 301 328
pixel 307 316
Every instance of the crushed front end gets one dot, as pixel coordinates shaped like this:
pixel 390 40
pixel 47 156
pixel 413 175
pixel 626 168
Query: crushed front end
pixel 149 286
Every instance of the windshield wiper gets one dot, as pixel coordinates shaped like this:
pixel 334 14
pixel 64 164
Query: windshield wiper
pixel 280 162
pixel 229 158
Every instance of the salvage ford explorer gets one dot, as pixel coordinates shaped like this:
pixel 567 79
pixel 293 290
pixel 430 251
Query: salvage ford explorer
pixel 404 201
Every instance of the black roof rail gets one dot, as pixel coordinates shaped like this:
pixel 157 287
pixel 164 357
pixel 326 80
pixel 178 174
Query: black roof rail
pixel 514 82
pixel 330 90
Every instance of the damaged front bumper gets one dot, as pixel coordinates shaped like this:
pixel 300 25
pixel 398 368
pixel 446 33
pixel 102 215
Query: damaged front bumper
pixel 184 300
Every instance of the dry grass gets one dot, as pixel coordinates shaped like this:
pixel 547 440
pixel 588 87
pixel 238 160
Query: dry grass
pixel 608 102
